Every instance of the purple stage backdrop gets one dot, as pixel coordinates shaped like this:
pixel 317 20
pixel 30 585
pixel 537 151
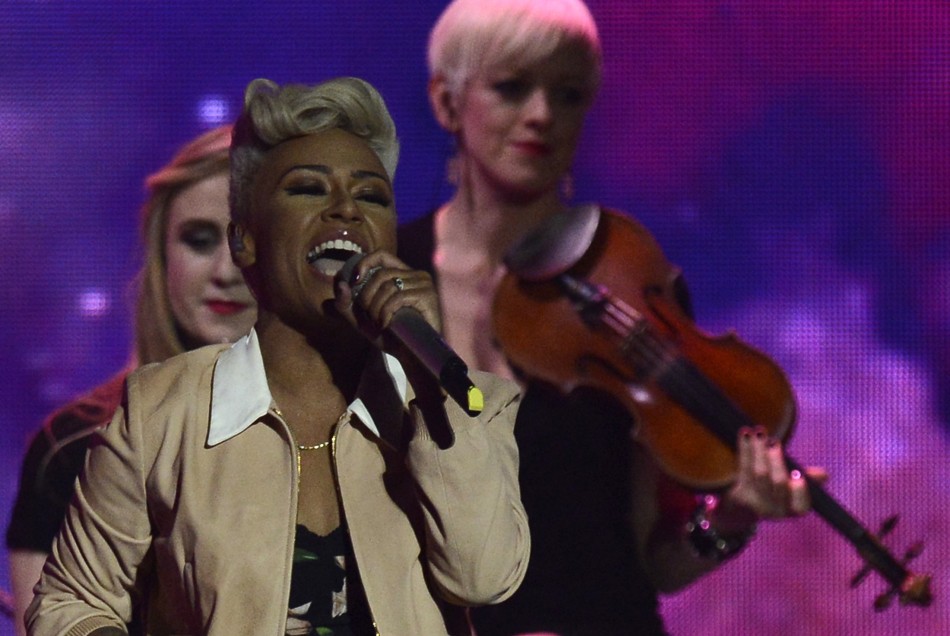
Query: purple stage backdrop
pixel 791 157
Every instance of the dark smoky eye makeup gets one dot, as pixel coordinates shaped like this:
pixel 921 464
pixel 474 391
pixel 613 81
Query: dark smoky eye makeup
pixel 309 180
pixel 310 188
pixel 202 237
pixel 511 88
pixel 569 95
pixel 376 197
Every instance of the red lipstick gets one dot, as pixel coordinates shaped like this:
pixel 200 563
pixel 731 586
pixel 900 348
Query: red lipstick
pixel 533 148
pixel 226 307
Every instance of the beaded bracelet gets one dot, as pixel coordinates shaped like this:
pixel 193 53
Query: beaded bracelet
pixel 706 541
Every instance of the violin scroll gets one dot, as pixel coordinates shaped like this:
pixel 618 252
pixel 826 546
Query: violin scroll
pixel 913 590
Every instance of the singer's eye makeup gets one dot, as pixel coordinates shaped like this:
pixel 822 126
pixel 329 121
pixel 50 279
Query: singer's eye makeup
pixel 308 189
pixel 376 196
pixel 364 186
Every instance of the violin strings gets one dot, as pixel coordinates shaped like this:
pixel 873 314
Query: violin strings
pixel 680 379
pixel 649 354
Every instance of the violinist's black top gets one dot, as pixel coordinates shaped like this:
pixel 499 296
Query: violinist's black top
pixel 584 576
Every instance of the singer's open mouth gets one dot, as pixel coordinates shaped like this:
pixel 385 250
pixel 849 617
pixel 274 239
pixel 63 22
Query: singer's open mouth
pixel 328 257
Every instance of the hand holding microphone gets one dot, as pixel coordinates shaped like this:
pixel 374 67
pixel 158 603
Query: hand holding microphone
pixel 409 326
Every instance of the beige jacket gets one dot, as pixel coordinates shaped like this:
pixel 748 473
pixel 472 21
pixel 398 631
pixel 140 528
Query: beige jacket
pixel 189 499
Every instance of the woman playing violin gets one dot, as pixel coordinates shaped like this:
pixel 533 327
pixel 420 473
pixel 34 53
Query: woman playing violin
pixel 511 81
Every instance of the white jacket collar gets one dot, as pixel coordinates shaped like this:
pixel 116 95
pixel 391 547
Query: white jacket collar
pixel 240 395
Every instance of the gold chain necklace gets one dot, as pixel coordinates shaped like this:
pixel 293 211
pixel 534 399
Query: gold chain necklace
pixel 303 447
pixel 314 447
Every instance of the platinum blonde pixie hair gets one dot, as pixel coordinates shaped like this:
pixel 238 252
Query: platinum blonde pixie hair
pixel 471 35
pixel 274 114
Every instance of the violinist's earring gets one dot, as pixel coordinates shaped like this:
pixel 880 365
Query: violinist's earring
pixel 453 170
pixel 567 186
pixel 453 166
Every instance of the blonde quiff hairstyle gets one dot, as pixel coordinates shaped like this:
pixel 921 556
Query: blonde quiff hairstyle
pixel 274 114
pixel 472 35
pixel 157 335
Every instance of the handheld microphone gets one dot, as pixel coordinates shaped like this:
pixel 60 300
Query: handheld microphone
pixel 425 343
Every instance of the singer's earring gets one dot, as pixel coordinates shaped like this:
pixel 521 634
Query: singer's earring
pixel 241 245
pixel 235 238
pixel 567 186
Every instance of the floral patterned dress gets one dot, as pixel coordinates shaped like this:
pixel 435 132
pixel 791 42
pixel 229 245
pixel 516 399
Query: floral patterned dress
pixel 326 595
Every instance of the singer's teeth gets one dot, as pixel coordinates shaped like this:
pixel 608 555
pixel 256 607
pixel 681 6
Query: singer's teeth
pixel 328 257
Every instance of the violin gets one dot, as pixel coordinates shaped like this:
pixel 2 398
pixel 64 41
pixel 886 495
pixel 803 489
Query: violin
pixel 590 300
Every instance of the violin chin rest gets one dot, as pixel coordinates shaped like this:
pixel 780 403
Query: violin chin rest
pixel 556 245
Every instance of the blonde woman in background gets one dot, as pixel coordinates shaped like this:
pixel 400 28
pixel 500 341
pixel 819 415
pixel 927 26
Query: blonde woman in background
pixel 512 81
pixel 189 293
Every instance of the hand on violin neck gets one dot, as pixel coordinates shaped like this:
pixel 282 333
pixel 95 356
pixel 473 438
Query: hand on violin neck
pixel 764 486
